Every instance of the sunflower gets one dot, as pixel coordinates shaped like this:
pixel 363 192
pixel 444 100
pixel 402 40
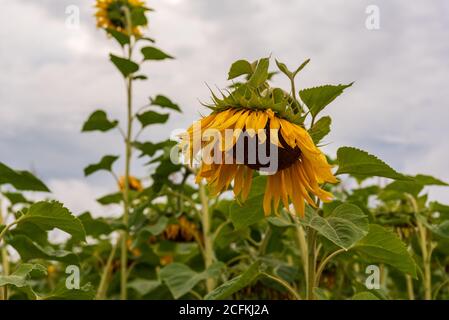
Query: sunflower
pixel 251 121
pixel 111 16
pixel 134 184
pixel 184 230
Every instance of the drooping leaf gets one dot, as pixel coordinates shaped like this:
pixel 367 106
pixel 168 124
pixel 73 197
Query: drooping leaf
pixel 50 215
pixel 383 246
pixel 95 227
pixel 427 180
pixel 320 129
pixel 238 68
pixel 125 66
pixel 98 121
pixel 232 286
pixel 29 250
pixel 164 102
pixel 15 197
pixel 360 163
pixel 317 98
pixel 105 164
pixel 152 53
pixel 151 117
pixel 21 180
pixel 346 225
pixel 113 198
pixel 260 75
pixel 180 279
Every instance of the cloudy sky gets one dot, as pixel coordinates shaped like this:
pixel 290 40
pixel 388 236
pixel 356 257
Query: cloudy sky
pixel 53 76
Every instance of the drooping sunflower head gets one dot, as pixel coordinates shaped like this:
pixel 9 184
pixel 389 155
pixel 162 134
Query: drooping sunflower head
pixel 259 128
pixel 134 184
pixel 115 15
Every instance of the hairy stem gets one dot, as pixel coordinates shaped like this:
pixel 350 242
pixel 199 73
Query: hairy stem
pixel 102 288
pixel 284 283
pixel 311 241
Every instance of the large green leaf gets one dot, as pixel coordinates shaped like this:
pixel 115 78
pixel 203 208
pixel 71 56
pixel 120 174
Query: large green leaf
pixel 238 68
pixel 152 53
pixel 251 211
pixel 98 121
pixel 121 37
pixel 360 163
pixel 383 246
pixel 20 277
pixel 125 66
pixel 152 117
pixel 164 102
pixel 50 215
pixel 180 279
pixel 95 227
pixel 238 283
pixel 317 98
pixel 346 225
pixel 320 129
pixel 21 180
pixel 29 250
pixel 105 164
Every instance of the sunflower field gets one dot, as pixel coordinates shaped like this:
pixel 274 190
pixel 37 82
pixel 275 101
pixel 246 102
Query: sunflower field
pixel 242 205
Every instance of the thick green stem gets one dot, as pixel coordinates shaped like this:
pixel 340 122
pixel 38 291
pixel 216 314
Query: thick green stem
pixel 410 291
pixel 208 241
pixel 284 283
pixel 323 265
pixel 311 241
pixel 302 244
pixel 5 257
pixel 102 288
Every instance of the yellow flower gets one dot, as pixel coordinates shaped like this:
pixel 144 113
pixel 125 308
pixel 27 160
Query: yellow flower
pixel 134 184
pixel 184 230
pixel 300 167
pixel 111 16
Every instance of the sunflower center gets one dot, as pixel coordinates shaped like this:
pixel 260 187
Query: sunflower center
pixel 264 155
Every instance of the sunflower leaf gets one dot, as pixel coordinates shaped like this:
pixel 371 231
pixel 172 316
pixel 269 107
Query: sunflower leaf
pixel 383 246
pixel 125 66
pixel 260 75
pixel 164 102
pixel 151 117
pixel 238 68
pixel 360 163
pixel 317 98
pixel 21 180
pixel 105 164
pixel 320 129
pixel 121 38
pixel 346 225
pixel 152 53
pixel 98 121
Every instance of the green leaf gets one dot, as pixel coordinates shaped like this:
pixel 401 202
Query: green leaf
pixel 260 75
pixel 98 121
pixel 144 286
pixel 29 250
pixel 15 197
pixel 301 67
pixel 429 180
pixel 111 198
pixel 180 279
pixel 283 68
pixel 121 38
pixel 383 246
pixel 148 148
pixel 51 215
pixel 320 129
pixel 152 53
pixel 157 228
pixel 21 180
pixel 317 98
pixel 364 296
pixel 95 227
pixel 346 225
pixel 164 102
pixel 238 68
pixel 86 292
pixel 236 284
pixel 125 66
pixel 105 164
pixel 360 163
pixel 251 211
pixel 20 277
pixel 151 117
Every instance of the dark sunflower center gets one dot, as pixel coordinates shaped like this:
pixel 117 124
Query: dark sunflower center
pixel 264 156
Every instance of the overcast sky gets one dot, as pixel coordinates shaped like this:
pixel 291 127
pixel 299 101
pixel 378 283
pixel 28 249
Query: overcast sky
pixel 52 77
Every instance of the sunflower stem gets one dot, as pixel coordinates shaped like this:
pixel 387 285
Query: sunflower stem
pixel 4 254
pixel 311 241
pixel 102 288
pixel 128 151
